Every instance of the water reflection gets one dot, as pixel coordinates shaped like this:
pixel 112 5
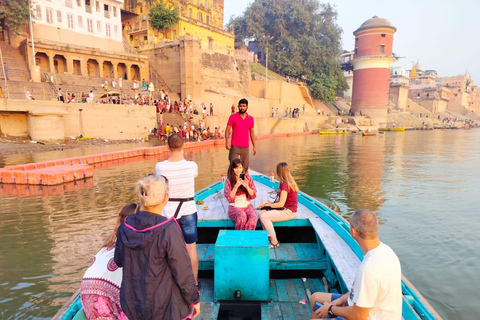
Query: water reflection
pixel 50 234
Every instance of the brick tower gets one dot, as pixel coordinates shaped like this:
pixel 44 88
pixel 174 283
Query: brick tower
pixel 371 67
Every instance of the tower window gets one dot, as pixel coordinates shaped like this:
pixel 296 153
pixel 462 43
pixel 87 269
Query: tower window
pixel 383 35
pixel 382 48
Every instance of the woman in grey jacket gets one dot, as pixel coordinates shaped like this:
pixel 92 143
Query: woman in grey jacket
pixel 158 280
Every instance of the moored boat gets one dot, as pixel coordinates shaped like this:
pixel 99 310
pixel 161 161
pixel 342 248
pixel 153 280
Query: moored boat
pixel 369 134
pixel 317 253
pixel 333 131
pixel 392 129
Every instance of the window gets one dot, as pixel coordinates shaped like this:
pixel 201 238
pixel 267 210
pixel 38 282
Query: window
pixel 79 3
pixel 68 3
pixel 200 17
pixel 190 13
pixel 107 30
pixel 115 30
pixel 59 16
pixel 114 11
pixel 382 48
pixel 145 38
pixel 80 21
pixel 383 35
pixel 97 6
pixel 99 26
pixel 88 7
pixel 210 44
pixel 90 25
pixel 49 15
pixel 38 13
pixel 208 19
pixel 70 20
pixel 106 9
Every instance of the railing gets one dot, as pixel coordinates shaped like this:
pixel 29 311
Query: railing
pixel 128 48
pixel 4 74
pixel 48 79
pixel 158 80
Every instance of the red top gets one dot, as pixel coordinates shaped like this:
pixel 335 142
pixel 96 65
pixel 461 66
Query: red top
pixel 240 129
pixel 292 201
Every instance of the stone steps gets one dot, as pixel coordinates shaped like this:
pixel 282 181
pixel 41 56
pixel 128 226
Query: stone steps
pixel 17 67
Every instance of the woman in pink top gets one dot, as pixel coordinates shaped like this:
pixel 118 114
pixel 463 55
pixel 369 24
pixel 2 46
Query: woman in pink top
pixel 283 209
pixel 240 210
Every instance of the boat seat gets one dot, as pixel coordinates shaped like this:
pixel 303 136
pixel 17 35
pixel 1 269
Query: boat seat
pixel 290 256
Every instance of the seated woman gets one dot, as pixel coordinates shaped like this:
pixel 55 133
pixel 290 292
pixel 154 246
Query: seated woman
pixel 240 210
pixel 284 208
pixel 158 280
pixel 100 289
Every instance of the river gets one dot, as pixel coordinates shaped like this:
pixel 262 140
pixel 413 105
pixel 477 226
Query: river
pixel 424 186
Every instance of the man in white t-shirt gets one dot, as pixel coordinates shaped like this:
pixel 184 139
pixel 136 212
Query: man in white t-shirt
pixel 181 175
pixel 376 293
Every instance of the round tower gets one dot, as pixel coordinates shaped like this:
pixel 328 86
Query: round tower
pixel 371 67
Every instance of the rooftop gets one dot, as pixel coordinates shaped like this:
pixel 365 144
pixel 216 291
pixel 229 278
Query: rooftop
pixel 375 22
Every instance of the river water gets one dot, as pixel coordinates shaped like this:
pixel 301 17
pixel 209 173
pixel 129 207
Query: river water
pixel 424 186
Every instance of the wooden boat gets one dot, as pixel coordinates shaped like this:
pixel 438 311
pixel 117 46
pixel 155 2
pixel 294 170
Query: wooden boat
pixel 317 253
pixel 391 129
pixel 369 134
pixel 333 131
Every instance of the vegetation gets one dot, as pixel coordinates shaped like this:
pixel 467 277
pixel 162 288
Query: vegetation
pixel 163 16
pixel 258 68
pixel 16 15
pixel 303 41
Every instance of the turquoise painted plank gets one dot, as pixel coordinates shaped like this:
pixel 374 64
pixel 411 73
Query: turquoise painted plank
pixel 273 254
pixel 80 315
pixel 209 311
pixel 215 223
pixel 287 311
pixel 292 293
pixel 272 290
pixel 202 250
pixel 207 293
pixel 298 265
pixel 301 311
pixel 271 312
pixel 281 290
pixel 408 312
pixel 301 252
pixel 210 252
pixel 227 223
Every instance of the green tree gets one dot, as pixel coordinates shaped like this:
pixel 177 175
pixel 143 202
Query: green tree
pixel 15 14
pixel 239 26
pixel 163 16
pixel 303 41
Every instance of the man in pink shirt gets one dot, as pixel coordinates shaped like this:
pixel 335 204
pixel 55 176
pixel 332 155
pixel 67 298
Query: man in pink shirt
pixel 241 125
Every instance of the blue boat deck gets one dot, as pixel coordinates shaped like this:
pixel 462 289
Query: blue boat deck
pixel 290 256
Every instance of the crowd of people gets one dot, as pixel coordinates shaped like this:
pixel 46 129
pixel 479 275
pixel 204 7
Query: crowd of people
pixel 148 266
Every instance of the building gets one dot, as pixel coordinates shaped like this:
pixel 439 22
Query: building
pixel 399 86
pixel 200 18
pixel 371 67
pixel 346 57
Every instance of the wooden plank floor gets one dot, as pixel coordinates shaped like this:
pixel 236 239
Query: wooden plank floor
pixel 208 307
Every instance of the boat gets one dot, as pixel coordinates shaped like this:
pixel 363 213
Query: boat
pixel 392 129
pixel 316 253
pixel 369 134
pixel 333 131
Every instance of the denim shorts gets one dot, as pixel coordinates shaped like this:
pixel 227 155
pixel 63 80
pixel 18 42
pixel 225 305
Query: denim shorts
pixel 188 224
pixel 335 296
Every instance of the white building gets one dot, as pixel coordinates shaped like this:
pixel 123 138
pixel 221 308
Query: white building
pixel 86 23
pixel 399 76
pixel 347 57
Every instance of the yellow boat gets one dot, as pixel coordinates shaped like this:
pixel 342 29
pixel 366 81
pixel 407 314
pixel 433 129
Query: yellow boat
pixel 368 134
pixel 333 131
pixel 392 129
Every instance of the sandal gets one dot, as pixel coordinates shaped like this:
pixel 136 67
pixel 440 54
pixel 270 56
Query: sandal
pixel 274 245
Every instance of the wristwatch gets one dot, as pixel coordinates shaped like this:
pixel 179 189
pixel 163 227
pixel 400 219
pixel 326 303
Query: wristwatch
pixel 330 312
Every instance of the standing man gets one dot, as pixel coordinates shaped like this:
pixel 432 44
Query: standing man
pixel 241 125
pixel 60 95
pixel 273 112
pixel 5 69
pixel 90 96
pixel 376 293
pixel 211 109
pixel 181 176
pixel 151 89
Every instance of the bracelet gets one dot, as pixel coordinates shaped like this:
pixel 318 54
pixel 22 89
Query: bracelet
pixel 330 312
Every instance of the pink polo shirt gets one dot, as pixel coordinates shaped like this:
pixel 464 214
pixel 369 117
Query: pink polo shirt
pixel 240 129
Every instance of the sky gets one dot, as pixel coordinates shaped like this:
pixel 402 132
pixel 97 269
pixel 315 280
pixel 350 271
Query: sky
pixel 441 34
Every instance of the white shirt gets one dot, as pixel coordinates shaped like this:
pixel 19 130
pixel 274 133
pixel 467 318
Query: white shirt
pixel 181 177
pixel 378 285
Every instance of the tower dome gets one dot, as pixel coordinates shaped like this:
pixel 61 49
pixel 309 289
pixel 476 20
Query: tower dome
pixel 375 22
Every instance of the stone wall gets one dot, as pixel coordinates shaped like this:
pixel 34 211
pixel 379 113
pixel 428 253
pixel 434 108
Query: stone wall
pixel 13 124
pixel 223 74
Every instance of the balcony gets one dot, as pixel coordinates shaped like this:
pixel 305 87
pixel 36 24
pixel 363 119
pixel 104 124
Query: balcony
pixel 138 27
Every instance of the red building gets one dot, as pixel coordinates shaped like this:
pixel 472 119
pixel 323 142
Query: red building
pixel 371 67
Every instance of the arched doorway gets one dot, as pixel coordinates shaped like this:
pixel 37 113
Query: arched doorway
pixel 42 60
pixel 135 71
pixel 122 70
pixel 107 69
pixel 60 63
pixel 93 68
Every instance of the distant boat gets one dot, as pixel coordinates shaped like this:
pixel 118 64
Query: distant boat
pixel 391 129
pixel 333 131
pixel 316 253
pixel 369 134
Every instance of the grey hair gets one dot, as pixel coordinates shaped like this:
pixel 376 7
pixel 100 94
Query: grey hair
pixel 365 223
pixel 151 190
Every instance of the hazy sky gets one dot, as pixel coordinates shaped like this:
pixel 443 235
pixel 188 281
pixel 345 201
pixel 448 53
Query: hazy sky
pixel 441 34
